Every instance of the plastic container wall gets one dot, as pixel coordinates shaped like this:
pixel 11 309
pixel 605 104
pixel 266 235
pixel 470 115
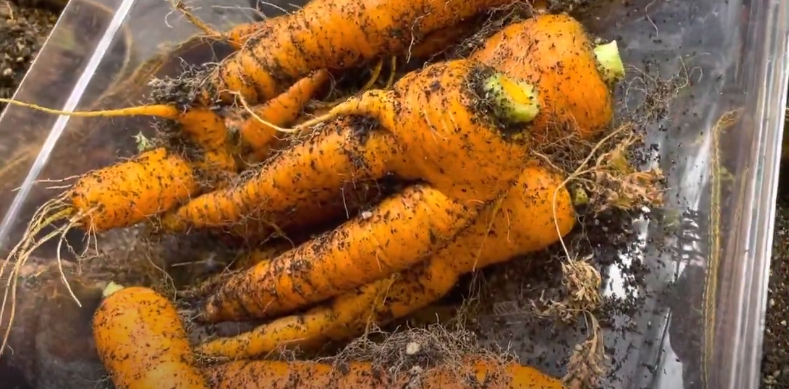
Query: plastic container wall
pixel 700 322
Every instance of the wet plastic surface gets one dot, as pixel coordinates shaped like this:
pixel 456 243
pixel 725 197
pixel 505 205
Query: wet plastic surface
pixel 700 319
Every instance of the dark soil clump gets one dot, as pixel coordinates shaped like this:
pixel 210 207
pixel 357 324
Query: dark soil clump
pixel 775 362
pixel 22 32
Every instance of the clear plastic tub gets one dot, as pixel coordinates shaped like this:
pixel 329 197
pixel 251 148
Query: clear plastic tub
pixel 700 321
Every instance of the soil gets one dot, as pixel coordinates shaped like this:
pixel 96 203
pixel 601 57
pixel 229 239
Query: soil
pixel 24 25
pixel 775 363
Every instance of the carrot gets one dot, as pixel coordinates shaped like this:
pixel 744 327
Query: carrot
pixel 329 34
pixel 252 125
pixel 297 188
pixel 443 127
pixel 141 341
pixel 206 128
pixel 399 233
pixel 554 53
pixel 521 223
pixel 478 372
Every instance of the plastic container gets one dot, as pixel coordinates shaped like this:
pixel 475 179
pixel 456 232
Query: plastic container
pixel 700 321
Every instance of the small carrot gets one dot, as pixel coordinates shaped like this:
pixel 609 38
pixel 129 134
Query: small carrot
pixel 329 34
pixel 207 128
pixel 141 341
pixel 554 53
pixel 521 223
pixel 253 125
pixel 477 372
pixel 442 125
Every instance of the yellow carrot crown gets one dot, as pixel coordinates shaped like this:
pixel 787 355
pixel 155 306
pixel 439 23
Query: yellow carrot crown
pixel 609 63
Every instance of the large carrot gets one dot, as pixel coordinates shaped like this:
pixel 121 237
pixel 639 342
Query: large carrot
pixel 477 372
pixel 142 343
pixel 329 34
pixel 522 222
pixel 452 125
pixel 573 76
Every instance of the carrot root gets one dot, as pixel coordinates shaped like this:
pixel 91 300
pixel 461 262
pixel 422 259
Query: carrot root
pixel 485 372
pixel 609 62
pixel 399 233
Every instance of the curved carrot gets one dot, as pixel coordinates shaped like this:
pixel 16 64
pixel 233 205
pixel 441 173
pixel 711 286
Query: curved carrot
pixel 521 223
pixel 487 373
pixel 329 34
pixel 445 119
pixel 142 343
pixel 398 234
pixel 554 53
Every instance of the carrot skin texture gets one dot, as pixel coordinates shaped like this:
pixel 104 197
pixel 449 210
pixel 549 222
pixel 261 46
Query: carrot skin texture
pixel 142 343
pixel 362 375
pixel 294 188
pixel 554 53
pixel 438 135
pixel 133 191
pixel 523 223
pixel 400 232
pixel 280 111
pixel 330 34
pixel 333 320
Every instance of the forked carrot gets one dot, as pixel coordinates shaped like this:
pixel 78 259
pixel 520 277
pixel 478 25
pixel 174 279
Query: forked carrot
pixel 521 223
pixel 142 343
pixel 444 123
pixel 474 373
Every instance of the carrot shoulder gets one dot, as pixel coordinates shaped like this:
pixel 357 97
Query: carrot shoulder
pixel 142 343
pixel 555 53
pixel 361 375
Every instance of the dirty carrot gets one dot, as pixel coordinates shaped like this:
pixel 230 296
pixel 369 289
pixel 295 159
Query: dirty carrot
pixel 336 319
pixel 299 187
pixel 141 341
pixel 252 124
pixel 522 222
pixel 399 233
pixel 329 34
pixel 554 53
pixel 474 373
pixel 455 125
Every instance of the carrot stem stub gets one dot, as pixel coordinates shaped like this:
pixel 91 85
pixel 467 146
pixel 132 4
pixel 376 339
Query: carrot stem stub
pixel 142 342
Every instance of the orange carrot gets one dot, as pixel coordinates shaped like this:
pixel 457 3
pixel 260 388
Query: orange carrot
pixel 555 53
pixel 300 187
pixel 464 155
pixel 253 127
pixel 329 34
pixel 477 372
pixel 521 223
pixel 142 343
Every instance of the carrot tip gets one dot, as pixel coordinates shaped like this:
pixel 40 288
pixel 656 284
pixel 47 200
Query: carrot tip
pixel 609 62
pixel 110 289
pixel 516 101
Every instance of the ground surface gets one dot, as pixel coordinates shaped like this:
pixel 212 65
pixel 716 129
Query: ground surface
pixel 24 27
